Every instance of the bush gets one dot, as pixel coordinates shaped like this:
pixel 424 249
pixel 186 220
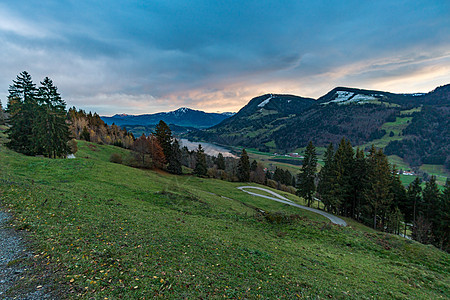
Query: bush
pixel 115 158
pixel 73 146
pixel 280 217
pixel 272 183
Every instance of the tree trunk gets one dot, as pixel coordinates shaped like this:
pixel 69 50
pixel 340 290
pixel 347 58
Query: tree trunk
pixel 375 219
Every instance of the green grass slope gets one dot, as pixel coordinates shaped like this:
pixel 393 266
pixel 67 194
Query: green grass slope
pixel 117 232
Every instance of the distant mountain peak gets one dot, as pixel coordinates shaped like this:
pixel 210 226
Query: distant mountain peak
pixel 183 110
pixel 182 116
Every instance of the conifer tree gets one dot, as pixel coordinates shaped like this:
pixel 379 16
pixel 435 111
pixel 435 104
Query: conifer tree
pixel 22 109
pixel 2 115
pixel 200 162
pixel 174 161
pixel 344 163
pixel 325 187
pixel 378 193
pixel 254 165
pixel 305 183
pixel 220 162
pixel 164 136
pixel 359 183
pixel 85 135
pixel 443 226
pixel 278 174
pixel 287 177
pixel 244 167
pixel 414 194
pixel 430 196
pixel 50 131
pixel 399 199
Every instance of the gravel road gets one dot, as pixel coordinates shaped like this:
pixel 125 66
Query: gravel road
pixel 279 198
pixel 12 251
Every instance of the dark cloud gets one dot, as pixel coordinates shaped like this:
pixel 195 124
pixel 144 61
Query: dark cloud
pixel 129 56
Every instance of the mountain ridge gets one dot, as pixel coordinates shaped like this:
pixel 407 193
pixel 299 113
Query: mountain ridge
pixel 182 116
pixel 272 123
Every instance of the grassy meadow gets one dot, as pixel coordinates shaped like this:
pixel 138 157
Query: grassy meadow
pixel 109 231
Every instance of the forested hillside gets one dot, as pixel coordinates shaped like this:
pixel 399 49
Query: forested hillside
pixel 428 134
pixel 276 124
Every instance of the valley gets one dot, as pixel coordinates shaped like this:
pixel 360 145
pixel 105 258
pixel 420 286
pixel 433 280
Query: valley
pixel 110 230
pixel 413 129
pixel 225 150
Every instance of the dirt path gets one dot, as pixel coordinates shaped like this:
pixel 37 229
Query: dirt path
pixel 12 268
pixel 279 198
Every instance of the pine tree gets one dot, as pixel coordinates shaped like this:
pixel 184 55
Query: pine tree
pixel 378 193
pixel 326 178
pixel 220 162
pixel 305 183
pixel 50 131
pixel 287 177
pixel 200 162
pixel 164 136
pixel 2 115
pixel 85 135
pixel 22 109
pixel 443 226
pixel 432 207
pixel 253 166
pixel 244 167
pixel 345 164
pixel 430 196
pixel 414 194
pixel 359 182
pixel 399 199
pixel 174 165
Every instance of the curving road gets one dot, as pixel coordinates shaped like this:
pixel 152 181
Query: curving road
pixel 281 199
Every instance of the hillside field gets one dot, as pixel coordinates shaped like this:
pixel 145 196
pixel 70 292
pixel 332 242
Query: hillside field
pixel 103 230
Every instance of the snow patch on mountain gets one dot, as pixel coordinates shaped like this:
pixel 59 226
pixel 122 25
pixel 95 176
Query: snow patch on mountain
pixel 183 110
pixel 228 114
pixel 343 97
pixel 262 104
pixel 362 98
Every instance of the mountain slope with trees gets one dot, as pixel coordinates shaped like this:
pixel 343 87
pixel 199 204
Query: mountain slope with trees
pixel 252 125
pixel 274 123
pixel 132 233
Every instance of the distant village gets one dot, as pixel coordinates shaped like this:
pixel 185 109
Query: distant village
pixel 296 155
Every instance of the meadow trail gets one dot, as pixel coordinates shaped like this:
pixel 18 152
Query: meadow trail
pixel 279 198
pixel 12 269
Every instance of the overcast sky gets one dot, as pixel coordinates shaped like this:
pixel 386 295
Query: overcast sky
pixel 128 57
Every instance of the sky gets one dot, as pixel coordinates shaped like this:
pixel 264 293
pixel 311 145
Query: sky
pixel 139 57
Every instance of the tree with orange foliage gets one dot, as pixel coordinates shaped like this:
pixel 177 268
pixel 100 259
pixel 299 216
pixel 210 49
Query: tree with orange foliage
pixel 156 152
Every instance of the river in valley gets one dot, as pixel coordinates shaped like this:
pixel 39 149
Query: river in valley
pixel 209 148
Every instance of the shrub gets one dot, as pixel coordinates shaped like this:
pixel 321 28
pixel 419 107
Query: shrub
pixel 272 183
pixel 115 158
pixel 280 217
pixel 73 146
